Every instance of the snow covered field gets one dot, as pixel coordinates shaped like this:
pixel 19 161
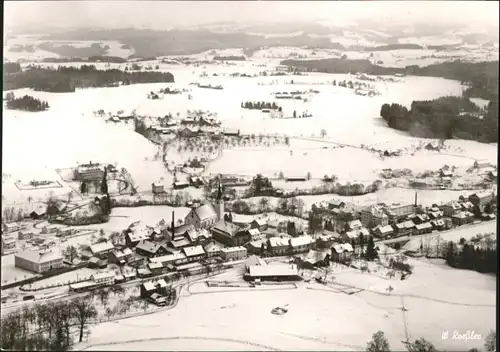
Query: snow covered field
pixel 231 320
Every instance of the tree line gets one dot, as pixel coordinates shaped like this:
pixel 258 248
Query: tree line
pixel 26 103
pixel 444 118
pixel 47 326
pixel 67 79
pixel 472 258
pixel 379 343
pixel 259 105
pixel 230 58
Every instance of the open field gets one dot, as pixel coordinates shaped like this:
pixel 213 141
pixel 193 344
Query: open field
pixel 430 295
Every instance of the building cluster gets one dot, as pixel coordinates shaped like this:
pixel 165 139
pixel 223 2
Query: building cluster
pixel 395 220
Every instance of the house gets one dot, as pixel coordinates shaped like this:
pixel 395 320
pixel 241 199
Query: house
pixel 374 215
pixel 89 172
pixel 188 132
pixel 129 275
pixel 233 253
pixel 492 175
pixel 420 218
pixel 158 299
pixel 255 234
pixel 38 261
pixel 179 231
pixel 144 273
pixel 425 227
pixel 97 263
pixel 9 243
pixel 82 286
pixel 256 247
pixel 155 268
pixel 433 215
pixel 203 216
pixel 445 173
pixel 355 235
pixel 194 253
pixel 119 279
pixel 157 188
pixel 341 252
pixel 170 259
pixel 354 225
pixel 301 244
pixel 104 278
pixel 278 246
pixel 468 206
pixel 450 208
pixel 180 184
pixel 178 243
pixel 212 250
pixel 383 231
pixel 134 235
pixel 277 272
pixel 332 235
pixel 119 257
pixel 315 259
pixel 198 236
pixel 229 234
pixel 101 249
pixel 437 224
pixel 403 228
pixel 147 289
pixel 260 224
pixel 150 249
pixel 336 204
pixel 480 199
pixel 462 217
pixel 38 213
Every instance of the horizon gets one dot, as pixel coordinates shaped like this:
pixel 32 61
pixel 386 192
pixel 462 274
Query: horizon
pixel 177 14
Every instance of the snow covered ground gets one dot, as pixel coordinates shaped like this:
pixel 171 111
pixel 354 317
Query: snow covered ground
pixel 231 320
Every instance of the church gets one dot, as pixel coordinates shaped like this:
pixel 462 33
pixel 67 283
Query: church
pixel 207 215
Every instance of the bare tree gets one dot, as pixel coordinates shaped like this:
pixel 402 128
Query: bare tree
pixel 84 311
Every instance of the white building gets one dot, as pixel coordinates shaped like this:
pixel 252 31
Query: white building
pixel 233 253
pixel 104 278
pixel 38 261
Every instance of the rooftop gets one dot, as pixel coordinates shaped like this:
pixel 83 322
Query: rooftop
pixel 39 257
pixel 342 247
pixel 226 227
pixel 193 251
pixel 205 212
pixel 103 275
pixel 233 249
pixel 272 270
pixel 101 247
pixel 301 241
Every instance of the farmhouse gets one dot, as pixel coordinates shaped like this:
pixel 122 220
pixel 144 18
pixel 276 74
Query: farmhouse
pixel 150 249
pixel 101 249
pixel 404 228
pixel 38 212
pixel 119 256
pixel 188 132
pixel 462 217
pixel 336 204
pixel 315 259
pixel 301 244
pixel 260 224
pixel 38 261
pixel 157 188
pixel 229 234
pixel 278 245
pixel 233 253
pixel 383 231
pixel 203 216
pixel 341 252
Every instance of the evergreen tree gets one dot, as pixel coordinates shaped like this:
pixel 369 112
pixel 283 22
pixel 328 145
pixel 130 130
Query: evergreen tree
pixel 83 187
pixel 450 255
pixel 371 252
pixel 104 182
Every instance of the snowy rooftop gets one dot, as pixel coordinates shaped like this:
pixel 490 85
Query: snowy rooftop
pixel 193 251
pixel 39 256
pixel 233 249
pixel 301 241
pixel 101 247
pixel 272 270
pixel 103 275
pixel 423 226
pixel 205 212
pixel 342 247
pixel 278 241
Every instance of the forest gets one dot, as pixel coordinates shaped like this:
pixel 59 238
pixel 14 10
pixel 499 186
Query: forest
pixel 67 79
pixel 444 118
pixel 27 103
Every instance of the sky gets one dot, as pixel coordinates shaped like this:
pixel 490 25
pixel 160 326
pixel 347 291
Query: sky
pixel 168 14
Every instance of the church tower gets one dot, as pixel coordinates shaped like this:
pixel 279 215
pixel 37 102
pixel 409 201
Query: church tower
pixel 219 203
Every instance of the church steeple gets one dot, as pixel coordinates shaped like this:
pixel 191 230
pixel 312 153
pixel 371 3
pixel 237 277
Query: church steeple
pixel 219 191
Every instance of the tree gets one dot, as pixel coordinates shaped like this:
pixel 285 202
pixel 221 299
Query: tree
pixel 420 345
pixel 378 343
pixel 450 255
pixel 490 341
pixel 263 203
pixel 322 133
pixel 83 187
pixel 71 253
pixel 371 252
pixel 103 296
pixel 84 311
pixel 308 176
